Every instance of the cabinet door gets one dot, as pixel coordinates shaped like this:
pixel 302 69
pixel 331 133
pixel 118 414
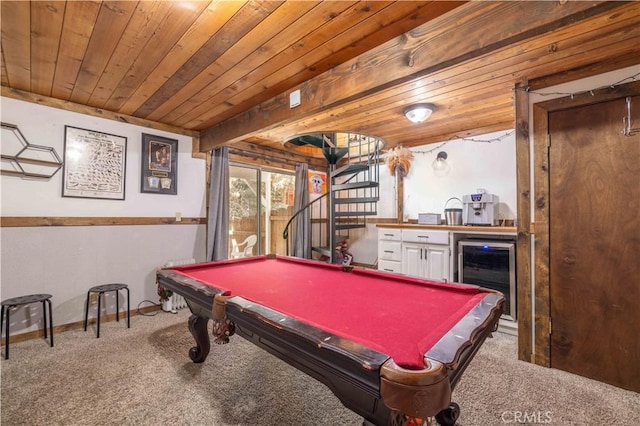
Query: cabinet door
pixel 437 263
pixel 413 259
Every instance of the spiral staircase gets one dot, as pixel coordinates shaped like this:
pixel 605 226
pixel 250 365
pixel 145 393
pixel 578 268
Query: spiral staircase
pixel 352 189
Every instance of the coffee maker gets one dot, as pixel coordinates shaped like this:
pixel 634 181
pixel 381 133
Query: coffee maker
pixel 479 209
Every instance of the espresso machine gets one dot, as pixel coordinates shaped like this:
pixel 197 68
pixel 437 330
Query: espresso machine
pixel 479 209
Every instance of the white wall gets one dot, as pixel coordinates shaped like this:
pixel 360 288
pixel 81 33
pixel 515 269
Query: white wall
pixel 472 165
pixel 388 204
pixel 65 261
pixel 43 125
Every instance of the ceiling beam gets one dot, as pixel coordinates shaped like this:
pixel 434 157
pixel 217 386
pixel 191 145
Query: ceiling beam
pixel 480 28
pixel 265 156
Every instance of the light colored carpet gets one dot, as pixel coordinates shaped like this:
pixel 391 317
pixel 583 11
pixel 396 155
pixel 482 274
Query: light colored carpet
pixel 143 376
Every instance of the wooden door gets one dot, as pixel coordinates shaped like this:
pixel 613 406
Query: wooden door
pixel 594 225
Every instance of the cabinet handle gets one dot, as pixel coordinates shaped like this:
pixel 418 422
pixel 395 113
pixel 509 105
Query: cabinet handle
pixel 388 235
pixel 420 254
pixel 423 236
pixel 388 270
pixel 388 251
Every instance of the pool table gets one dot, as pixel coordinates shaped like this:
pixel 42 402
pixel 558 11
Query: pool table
pixel 390 347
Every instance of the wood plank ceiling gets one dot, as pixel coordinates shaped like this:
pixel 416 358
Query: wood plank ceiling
pixel 225 68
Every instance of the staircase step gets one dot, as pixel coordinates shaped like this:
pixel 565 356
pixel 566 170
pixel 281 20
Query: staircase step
pixel 349 225
pixel 356 200
pixel 354 213
pixel 354 185
pixel 333 155
pixel 349 169
pixel 312 139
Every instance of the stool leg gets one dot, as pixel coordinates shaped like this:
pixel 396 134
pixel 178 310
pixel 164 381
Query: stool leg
pixel 86 311
pixel 128 311
pixel 1 322
pixel 117 306
pixel 100 295
pixel 6 334
pixel 44 319
pixel 50 322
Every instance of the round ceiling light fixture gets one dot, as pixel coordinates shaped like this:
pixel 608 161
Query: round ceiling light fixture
pixel 419 112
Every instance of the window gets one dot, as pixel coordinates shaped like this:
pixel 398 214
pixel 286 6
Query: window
pixel 260 204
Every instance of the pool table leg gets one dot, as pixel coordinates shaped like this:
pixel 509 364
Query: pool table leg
pixel 449 416
pixel 446 417
pixel 198 329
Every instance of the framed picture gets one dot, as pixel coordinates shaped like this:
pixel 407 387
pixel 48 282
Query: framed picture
pixel 94 164
pixel 317 183
pixel 159 165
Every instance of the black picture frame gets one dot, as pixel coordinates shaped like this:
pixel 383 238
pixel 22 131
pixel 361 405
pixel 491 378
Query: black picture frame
pixel 159 173
pixel 95 164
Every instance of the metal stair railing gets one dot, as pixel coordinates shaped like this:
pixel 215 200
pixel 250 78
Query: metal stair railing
pixel 355 198
pixel 285 233
pixel 353 191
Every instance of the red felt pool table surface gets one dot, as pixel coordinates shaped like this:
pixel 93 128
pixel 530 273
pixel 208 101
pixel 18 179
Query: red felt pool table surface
pixel 398 316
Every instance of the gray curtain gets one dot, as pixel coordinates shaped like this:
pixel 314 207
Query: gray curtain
pixel 218 224
pixel 302 223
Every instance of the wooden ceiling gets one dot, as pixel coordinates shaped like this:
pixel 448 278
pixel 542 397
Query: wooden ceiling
pixel 225 69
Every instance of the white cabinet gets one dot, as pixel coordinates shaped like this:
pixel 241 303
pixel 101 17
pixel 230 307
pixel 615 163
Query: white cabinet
pixel 425 236
pixel 414 252
pixel 437 263
pixel 429 261
pixel 387 266
pixel 390 250
pixel 412 259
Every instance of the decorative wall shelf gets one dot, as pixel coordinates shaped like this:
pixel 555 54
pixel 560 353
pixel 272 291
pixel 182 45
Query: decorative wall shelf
pixel 20 158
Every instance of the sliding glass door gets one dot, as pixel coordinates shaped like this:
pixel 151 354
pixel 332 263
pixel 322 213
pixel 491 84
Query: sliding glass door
pixel 244 220
pixel 260 204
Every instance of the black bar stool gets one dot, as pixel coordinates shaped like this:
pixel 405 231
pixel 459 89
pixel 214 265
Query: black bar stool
pixel 25 300
pixel 105 288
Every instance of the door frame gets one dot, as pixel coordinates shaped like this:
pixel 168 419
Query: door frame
pixel 263 244
pixel 534 340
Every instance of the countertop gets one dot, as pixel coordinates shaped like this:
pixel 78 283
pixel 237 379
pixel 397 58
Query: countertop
pixel 462 229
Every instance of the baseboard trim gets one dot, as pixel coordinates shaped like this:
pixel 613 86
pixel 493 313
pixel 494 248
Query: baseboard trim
pixel 364 265
pixel 38 334
pixel 508 327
